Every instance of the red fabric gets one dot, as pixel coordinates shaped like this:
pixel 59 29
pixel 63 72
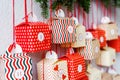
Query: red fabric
pixel 115 44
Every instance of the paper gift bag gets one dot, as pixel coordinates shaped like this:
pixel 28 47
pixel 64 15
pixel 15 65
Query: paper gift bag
pixel 76 65
pixel 33 36
pixel 115 44
pixel 91 50
pixel 51 68
pixel 63 30
pixel 116 77
pixel 107 57
pixel 15 66
pixel 106 76
pixel 100 35
pixel 93 73
pixel 111 30
pixel 80 38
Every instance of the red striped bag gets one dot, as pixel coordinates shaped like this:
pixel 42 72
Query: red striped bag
pixel 63 30
pixel 51 68
pixel 91 50
pixel 33 36
pixel 76 65
pixel 17 66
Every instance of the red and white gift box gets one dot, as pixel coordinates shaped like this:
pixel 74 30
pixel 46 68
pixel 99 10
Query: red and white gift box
pixel 115 44
pixel 15 66
pixel 63 30
pixel 100 35
pixel 76 66
pixel 33 36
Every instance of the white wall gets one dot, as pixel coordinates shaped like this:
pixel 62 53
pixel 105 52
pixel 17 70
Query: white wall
pixel 7 28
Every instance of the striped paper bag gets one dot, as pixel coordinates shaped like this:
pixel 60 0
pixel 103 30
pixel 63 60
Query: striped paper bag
pixel 15 66
pixel 76 65
pixel 80 38
pixel 63 30
pixel 107 57
pixel 111 30
pixel 33 36
pixel 51 68
pixel 91 50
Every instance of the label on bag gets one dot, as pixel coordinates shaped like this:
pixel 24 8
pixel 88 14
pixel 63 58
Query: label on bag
pixel 80 37
pixel 70 29
pixel 112 32
pixel 79 68
pixel 96 49
pixel 19 74
pixel 101 39
pixel 40 36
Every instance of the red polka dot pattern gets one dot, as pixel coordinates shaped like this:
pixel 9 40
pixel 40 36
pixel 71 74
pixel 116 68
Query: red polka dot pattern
pixel 27 36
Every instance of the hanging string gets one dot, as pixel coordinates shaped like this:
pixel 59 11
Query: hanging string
pixel 114 13
pixel 31 7
pixel 13 14
pixel 97 10
pixel 25 6
pixel 74 10
pixel 78 13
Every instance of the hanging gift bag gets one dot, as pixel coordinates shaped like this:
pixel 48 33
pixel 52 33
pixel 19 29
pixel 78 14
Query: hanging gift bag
pixel 92 48
pixel 100 35
pixel 93 73
pixel 115 44
pixel 80 38
pixel 14 65
pixel 107 57
pixel 76 65
pixel 33 36
pixel 110 28
pixel 63 29
pixel 51 68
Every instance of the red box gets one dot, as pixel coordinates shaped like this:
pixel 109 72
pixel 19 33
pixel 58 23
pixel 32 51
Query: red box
pixel 100 35
pixel 115 44
pixel 33 36
pixel 76 66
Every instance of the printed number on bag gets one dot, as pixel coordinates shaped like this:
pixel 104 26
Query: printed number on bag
pixel 70 29
pixel 40 36
pixel 80 37
pixel 112 32
pixel 79 68
pixel 19 74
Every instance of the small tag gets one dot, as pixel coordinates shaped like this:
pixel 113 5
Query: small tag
pixel 70 29
pixel 101 39
pixel 96 49
pixel 80 37
pixel 112 32
pixel 79 68
pixel 19 74
pixel 40 36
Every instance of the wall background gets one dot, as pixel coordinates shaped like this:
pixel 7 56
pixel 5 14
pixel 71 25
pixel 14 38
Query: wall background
pixel 6 27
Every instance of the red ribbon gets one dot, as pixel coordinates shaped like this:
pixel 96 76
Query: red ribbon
pixel 25 6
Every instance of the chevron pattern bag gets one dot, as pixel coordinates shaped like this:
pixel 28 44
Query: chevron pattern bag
pixel 15 66
pixel 91 50
pixel 63 30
